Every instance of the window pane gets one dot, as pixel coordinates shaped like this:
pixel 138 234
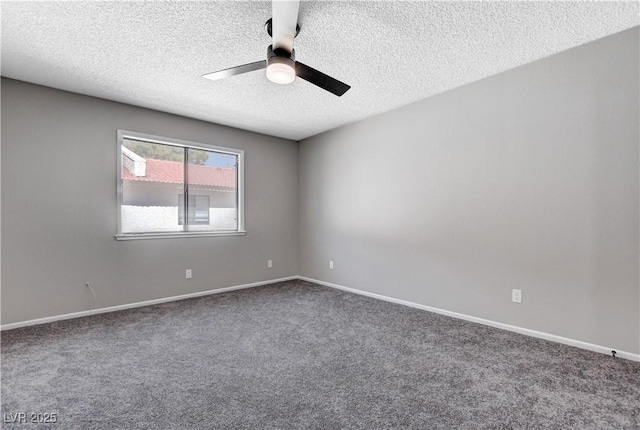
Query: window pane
pixel 212 179
pixel 152 179
pixel 198 209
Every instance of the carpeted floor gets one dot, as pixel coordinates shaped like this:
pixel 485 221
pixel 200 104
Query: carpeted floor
pixel 297 355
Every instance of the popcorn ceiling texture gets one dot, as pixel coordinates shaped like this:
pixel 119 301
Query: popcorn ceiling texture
pixel 152 54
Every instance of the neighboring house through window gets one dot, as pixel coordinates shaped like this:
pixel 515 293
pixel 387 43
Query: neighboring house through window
pixel 159 177
pixel 198 209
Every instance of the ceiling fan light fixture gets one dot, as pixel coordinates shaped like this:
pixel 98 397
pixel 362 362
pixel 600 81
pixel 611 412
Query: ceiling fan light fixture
pixel 281 73
pixel 280 66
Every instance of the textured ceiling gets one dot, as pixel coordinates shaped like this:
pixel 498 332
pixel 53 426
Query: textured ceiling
pixel 152 54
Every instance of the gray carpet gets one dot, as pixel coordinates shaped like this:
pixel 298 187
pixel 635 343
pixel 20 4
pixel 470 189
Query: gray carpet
pixel 297 355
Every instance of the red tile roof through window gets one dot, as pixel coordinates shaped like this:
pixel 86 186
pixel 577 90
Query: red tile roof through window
pixel 172 172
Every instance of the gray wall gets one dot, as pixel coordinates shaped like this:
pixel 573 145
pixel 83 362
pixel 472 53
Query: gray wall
pixel 527 179
pixel 59 208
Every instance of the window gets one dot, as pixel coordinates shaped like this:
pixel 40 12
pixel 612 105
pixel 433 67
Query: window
pixel 158 177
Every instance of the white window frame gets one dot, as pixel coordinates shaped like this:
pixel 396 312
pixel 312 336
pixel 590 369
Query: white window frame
pixel 124 134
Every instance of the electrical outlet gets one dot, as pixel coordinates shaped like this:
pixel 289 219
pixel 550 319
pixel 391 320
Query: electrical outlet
pixel 331 264
pixel 188 274
pixel 516 296
pixel 269 264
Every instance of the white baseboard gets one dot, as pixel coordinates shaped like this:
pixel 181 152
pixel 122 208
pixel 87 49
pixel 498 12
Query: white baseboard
pixel 140 304
pixel 516 329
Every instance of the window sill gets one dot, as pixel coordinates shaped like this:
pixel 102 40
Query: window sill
pixel 139 236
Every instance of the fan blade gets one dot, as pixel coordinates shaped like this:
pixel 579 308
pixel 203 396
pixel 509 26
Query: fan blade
pixel 285 20
pixel 325 82
pixel 238 70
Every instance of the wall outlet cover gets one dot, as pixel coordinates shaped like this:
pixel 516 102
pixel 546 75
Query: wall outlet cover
pixel 516 296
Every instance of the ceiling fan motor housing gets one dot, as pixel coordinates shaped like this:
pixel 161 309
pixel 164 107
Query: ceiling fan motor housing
pixel 280 55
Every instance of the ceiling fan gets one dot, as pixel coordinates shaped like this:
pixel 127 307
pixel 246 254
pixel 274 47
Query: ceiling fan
pixel 281 64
